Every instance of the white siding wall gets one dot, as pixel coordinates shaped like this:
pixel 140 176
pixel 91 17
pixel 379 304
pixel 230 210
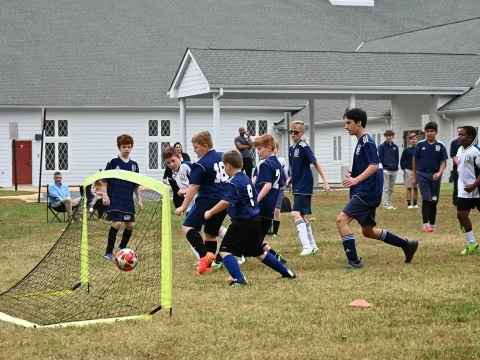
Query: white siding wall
pixel 93 133
pixel 193 81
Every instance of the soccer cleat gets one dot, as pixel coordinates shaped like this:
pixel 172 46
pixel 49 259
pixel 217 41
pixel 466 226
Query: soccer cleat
pixel 307 252
pixel 289 275
pixel 216 265
pixel 108 256
pixel 204 262
pixel 391 208
pixel 353 266
pixel 274 236
pixel 415 206
pixel 409 207
pixel 469 249
pixel 236 282
pixel 428 229
pixel 410 251
pixel 242 260
pixel 281 258
pixel 315 251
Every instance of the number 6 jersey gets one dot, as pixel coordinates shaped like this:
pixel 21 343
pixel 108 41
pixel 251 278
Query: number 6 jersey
pixel 209 173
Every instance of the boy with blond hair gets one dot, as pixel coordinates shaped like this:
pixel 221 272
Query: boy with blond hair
pixel 300 157
pixel 206 180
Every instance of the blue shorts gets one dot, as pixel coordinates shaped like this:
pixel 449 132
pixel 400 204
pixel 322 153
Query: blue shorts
pixel 429 188
pixel 118 216
pixel 302 204
pixel 196 218
pixel 278 204
pixel 363 213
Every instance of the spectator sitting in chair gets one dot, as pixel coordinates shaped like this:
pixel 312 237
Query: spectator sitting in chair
pixel 60 195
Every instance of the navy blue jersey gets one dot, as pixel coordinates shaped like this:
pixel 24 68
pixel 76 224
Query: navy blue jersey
pixel 209 173
pixel 370 189
pixel 242 196
pixel 269 171
pixel 120 191
pixel 300 157
pixel 429 155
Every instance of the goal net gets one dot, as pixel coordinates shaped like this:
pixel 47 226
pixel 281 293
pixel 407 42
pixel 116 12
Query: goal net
pixel 74 284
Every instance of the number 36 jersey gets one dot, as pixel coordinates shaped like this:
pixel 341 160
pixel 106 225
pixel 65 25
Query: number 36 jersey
pixel 209 173
pixel 242 196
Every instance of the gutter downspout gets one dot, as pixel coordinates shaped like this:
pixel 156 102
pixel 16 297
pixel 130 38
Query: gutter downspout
pixel 452 135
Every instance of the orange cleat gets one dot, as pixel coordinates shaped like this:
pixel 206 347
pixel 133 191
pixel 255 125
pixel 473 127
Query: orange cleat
pixel 204 262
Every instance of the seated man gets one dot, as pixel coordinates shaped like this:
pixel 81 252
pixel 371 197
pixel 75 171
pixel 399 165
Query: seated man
pixel 59 195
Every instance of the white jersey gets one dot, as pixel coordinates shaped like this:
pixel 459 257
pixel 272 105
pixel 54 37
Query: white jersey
pixel 468 170
pixel 182 178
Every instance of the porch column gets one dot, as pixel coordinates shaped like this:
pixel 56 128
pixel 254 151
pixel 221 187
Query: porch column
pixel 216 121
pixel 311 135
pixel 353 139
pixel 183 122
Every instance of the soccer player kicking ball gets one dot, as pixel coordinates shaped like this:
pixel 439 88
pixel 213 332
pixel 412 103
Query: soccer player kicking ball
pixel 468 157
pixel 366 185
pixel 244 235
pixel 300 157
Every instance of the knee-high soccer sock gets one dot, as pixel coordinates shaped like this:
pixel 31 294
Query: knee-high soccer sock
pixel 392 239
pixel 271 251
pixel 468 234
pixel 112 236
pixel 302 233
pixel 127 234
pixel 426 212
pixel 232 266
pixel 211 246
pixel 196 240
pixel 311 239
pixel 272 262
pixel 276 226
pixel 433 213
pixel 348 242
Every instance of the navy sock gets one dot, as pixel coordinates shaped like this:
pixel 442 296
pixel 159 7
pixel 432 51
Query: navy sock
pixel 273 252
pixel 426 211
pixel 112 236
pixel 232 266
pixel 127 234
pixel 433 213
pixel 272 262
pixel 348 242
pixel 196 240
pixel 276 225
pixel 394 240
pixel 211 246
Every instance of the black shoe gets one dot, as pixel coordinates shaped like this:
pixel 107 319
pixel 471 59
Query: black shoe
pixel 281 258
pixel 410 251
pixel 239 282
pixel 289 275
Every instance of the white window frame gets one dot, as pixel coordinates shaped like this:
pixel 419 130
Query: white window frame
pixel 377 137
pixel 56 140
pixel 159 139
pixel 337 149
pixel 257 129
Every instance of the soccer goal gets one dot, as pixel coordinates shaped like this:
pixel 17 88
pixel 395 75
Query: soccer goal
pixel 75 285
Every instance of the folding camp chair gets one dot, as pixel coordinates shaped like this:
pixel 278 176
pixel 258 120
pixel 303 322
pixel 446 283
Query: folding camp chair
pixel 55 211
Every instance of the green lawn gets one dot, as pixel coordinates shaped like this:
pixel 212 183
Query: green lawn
pixel 428 309
pixel 16 193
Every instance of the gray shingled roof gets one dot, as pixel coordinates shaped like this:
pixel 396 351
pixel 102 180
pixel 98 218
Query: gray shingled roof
pixel 125 53
pixel 470 100
pixel 326 68
pixel 457 38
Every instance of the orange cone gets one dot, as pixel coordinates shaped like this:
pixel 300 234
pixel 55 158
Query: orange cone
pixel 359 303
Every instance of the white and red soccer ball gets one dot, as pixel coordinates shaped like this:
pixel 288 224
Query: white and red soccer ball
pixel 126 259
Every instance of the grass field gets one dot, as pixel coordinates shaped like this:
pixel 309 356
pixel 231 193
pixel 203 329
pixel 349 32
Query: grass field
pixel 428 309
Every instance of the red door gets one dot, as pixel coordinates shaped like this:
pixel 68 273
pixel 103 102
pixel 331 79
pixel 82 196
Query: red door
pixel 24 163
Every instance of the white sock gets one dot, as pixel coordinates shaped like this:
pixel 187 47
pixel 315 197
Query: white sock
pixel 302 233
pixel 222 233
pixel 470 238
pixel 195 253
pixel 311 239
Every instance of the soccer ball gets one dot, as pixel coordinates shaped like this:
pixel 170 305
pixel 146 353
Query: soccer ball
pixel 126 259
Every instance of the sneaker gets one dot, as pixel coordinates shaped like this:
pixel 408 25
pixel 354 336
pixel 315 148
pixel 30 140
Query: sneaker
pixel 216 265
pixel 281 258
pixel 410 207
pixel 90 210
pixel 315 251
pixel 415 206
pixel 410 251
pixel 429 229
pixel 236 282
pixel 391 208
pixel 469 249
pixel 242 260
pixel 306 252
pixel 352 266
pixel 289 275
pixel 274 236
pixel 108 256
pixel 204 262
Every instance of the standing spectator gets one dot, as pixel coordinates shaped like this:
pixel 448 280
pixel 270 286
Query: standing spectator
pixel 244 143
pixel 183 156
pixel 60 195
pixel 389 156
pixel 454 146
pixel 407 167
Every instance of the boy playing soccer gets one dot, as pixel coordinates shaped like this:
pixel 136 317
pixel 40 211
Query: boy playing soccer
pixel 244 235
pixel 366 184
pixel 468 158
pixel 119 196
pixel 268 183
pixel 300 157
pixel 206 179
pixel 429 161
pixel 278 205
